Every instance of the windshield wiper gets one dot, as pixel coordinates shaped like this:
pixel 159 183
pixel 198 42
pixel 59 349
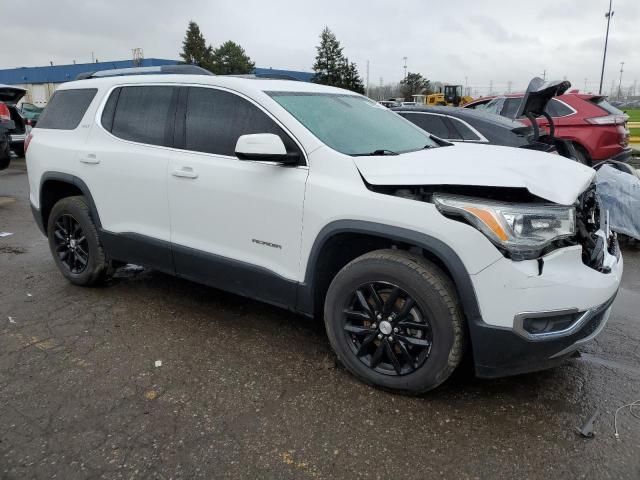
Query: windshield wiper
pixel 375 153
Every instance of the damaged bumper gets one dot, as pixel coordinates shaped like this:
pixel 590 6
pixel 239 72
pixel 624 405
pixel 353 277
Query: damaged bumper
pixel 537 313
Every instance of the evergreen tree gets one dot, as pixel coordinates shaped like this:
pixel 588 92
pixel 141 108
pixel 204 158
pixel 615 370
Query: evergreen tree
pixel 414 84
pixel 230 58
pixel 328 67
pixel 194 47
pixel 332 67
pixel 351 78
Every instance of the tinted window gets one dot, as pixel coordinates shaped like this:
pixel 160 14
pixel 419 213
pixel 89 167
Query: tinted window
pixel 216 119
pixel 464 132
pixel 430 123
pixel 66 108
pixel 602 103
pixel 510 107
pixel 144 114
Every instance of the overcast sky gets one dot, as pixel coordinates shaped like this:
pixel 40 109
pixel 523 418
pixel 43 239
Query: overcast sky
pixel 488 40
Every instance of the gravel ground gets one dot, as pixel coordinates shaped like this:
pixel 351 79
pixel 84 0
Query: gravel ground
pixel 247 390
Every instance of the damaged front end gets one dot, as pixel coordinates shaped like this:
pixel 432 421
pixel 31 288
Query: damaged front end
pixel 521 225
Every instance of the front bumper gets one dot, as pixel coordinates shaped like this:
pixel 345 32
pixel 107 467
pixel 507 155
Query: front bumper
pixel 506 352
pixel 559 287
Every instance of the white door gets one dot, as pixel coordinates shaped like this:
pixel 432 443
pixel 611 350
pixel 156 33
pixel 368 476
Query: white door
pixel 241 220
pixel 124 165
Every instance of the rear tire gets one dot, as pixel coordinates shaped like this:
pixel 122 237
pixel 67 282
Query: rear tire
pixel 390 303
pixel 5 155
pixel 74 243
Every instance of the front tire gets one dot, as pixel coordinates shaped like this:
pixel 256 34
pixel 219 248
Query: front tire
pixel 74 243
pixel 394 321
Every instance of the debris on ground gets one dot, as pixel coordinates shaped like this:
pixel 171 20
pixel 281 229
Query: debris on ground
pixel 158 363
pixel 11 320
pixel 615 416
pixel 586 430
pixel 5 234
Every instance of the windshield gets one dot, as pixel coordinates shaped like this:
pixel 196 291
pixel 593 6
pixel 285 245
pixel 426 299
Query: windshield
pixel 353 125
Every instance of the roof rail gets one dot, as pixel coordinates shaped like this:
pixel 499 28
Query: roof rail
pixel 161 69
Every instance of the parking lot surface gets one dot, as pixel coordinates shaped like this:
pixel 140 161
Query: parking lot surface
pixel 245 390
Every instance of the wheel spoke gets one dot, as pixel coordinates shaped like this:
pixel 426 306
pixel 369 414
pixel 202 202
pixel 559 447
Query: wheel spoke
pixel 363 303
pixel 358 330
pixel 81 259
pixel 61 228
pixel 390 301
pixel 418 342
pixel 59 235
pixel 405 353
pixel 376 297
pixel 365 344
pixel 357 315
pixel 377 355
pixel 415 325
pixel 392 356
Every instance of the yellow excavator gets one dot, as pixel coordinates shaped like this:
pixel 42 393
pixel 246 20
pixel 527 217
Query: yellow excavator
pixel 450 95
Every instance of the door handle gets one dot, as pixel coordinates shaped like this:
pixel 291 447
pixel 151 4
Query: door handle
pixel 185 172
pixel 90 159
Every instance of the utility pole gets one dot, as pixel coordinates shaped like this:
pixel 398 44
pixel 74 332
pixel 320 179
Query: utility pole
pixel 620 83
pixel 585 85
pixel 381 93
pixel 544 74
pixel 367 90
pixel 405 67
pixel 608 15
pixel 92 58
pixel 509 86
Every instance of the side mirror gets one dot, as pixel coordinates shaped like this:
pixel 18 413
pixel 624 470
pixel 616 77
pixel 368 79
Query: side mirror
pixel 264 147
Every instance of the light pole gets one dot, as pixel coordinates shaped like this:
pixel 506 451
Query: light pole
pixel 405 67
pixel 608 15
pixel 620 83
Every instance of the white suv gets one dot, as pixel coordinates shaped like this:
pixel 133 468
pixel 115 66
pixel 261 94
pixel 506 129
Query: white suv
pixel 321 201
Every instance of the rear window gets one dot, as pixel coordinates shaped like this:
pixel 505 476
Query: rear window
pixel 141 114
pixel 66 109
pixel 606 106
pixel 464 131
pixel 434 124
pixel 555 108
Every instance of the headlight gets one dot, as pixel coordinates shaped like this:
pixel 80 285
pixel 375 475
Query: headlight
pixel 521 229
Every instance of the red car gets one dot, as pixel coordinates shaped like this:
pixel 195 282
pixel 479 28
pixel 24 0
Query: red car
pixel 597 129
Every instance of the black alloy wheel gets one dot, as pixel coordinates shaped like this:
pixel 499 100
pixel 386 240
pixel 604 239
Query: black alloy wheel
pixel 71 244
pixel 386 329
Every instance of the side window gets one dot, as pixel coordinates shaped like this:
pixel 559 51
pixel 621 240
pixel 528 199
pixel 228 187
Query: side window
pixel 215 119
pixel 430 123
pixel 558 109
pixel 464 132
pixel 142 114
pixel 66 109
pixel 510 107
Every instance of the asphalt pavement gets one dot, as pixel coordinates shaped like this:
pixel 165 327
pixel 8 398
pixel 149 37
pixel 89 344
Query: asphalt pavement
pixel 157 377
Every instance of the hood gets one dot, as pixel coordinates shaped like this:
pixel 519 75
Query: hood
pixel 538 95
pixel 551 177
pixel 11 95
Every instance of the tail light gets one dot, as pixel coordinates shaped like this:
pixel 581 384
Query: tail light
pixel 5 115
pixel 608 120
pixel 27 141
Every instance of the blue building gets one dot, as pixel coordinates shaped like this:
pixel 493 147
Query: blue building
pixel 41 82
